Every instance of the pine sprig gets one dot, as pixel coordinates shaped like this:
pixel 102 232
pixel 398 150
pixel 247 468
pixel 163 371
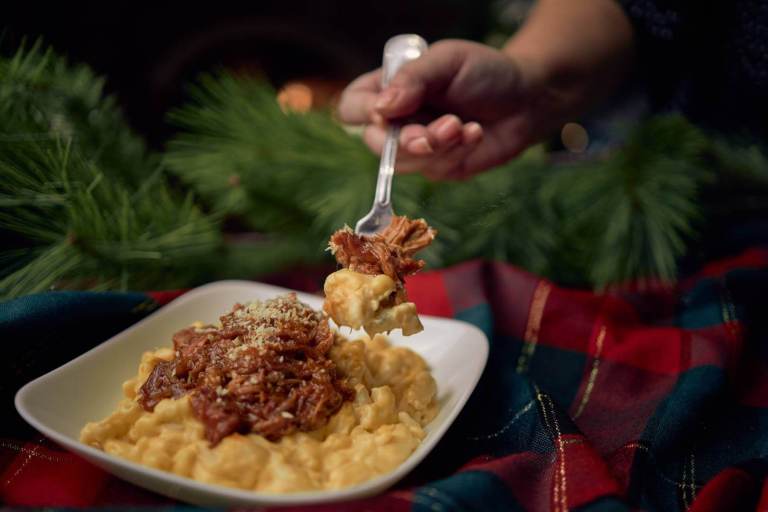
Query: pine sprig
pixel 82 205
pixel 639 209
pixel 496 215
pixel 101 233
pixel 299 176
pixel 43 97
pixel 629 215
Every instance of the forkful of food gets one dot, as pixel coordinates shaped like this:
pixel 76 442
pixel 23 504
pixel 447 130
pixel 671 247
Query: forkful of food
pixel 369 291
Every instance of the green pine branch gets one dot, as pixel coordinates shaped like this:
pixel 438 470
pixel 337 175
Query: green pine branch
pixel 98 233
pixel 630 215
pixel 496 215
pixel 242 153
pixel 43 97
pixel 82 205
pixel 298 176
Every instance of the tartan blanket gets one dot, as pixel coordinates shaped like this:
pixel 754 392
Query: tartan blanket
pixel 652 399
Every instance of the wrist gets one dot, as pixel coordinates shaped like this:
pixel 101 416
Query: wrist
pixel 544 73
pixel 552 94
pixel 577 51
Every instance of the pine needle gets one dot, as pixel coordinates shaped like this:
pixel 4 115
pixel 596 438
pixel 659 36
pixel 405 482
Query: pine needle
pixel 86 202
pixel 84 205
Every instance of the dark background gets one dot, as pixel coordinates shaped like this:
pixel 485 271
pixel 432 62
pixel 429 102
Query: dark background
pixel 148 52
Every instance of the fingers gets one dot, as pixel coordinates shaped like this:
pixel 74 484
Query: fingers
pixel 480 150
pixel 438 149
pixel 504 141
pixel 432 72
pixel 356 105
pixel 432 139
pixel 436 137
pixel 477 149
pixel 472 133
pixel 446 131
pixel 416 140
pixel 363 101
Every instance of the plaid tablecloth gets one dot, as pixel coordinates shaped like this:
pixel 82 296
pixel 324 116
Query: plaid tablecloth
pixel 652 400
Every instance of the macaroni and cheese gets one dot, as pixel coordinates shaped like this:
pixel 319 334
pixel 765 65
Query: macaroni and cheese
pixel 369 292
pixel 377 399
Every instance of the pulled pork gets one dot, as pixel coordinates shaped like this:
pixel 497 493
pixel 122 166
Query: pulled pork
pixel 265 370
pixel 389 252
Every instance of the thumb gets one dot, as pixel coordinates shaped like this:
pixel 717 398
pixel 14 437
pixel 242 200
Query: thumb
pixel 416 80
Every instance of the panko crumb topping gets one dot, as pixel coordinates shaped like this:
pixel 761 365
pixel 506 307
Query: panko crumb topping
pixel 264 369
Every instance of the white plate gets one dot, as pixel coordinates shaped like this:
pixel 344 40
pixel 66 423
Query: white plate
pixel 88 388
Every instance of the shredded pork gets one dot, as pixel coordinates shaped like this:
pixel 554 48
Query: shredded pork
pixel 390 252
pixel 264 370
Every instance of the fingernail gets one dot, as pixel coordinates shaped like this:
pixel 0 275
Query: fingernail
pixel 420 146
pixel 446 128
pixel 386 98
pixel 473 131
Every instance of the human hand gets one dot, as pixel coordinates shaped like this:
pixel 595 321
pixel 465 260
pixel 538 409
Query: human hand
pixel 465 107
pixel 468 107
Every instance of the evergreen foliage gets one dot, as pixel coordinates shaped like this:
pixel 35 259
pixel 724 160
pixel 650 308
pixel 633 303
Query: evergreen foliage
pixel 84 205
pixel 42 96
pixel 630 215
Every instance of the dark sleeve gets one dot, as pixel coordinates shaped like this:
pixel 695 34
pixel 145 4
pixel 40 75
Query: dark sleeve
pixel 665 35
pixel 656 21
pixel 706 58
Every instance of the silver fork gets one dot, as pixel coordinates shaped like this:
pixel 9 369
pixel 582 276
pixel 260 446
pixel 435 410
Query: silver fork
pixel 397 51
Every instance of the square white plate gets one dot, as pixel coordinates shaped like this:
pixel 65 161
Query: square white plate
pixel 88 388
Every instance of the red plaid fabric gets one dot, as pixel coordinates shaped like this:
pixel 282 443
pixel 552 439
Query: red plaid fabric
pixel 651 400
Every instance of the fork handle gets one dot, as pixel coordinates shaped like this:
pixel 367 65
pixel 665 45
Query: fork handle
pixel 387 166
pixel 397 51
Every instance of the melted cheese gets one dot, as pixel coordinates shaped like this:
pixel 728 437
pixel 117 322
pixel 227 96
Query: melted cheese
pixel 361 300
pixel 371 435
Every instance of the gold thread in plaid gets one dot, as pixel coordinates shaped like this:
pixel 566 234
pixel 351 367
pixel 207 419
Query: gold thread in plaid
pixel 593 373
pixel 635 444
pixel 10 445
pixel 519 414
pixel 28 458
pixel 559 490
pixel 556 486
pixel 693 477
pixel 679 485
pixel 535 314
pixel 684 488
pixel 561 448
